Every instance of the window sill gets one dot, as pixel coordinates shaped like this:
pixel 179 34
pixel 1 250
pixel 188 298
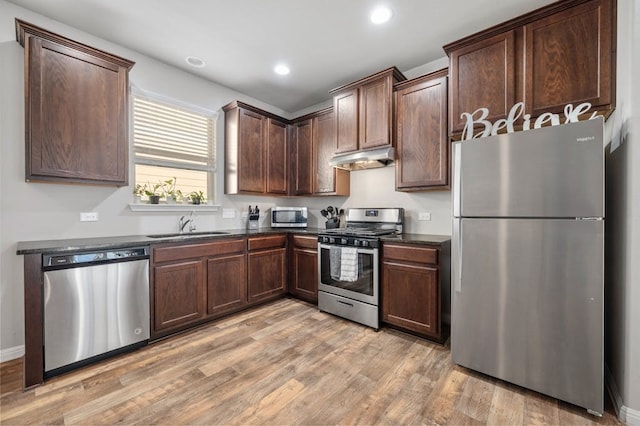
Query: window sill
pixel 143 207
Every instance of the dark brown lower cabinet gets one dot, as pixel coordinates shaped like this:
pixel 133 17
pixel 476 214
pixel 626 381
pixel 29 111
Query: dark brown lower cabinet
pixel 266 275
pixel 303 270
pixel 412 290
pixel 226 284
pixel 178 294
pixel 194 282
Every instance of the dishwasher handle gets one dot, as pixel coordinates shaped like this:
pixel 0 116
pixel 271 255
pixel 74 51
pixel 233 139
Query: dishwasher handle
pixel 78 259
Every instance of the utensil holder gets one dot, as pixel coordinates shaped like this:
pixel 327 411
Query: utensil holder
pixel 332 224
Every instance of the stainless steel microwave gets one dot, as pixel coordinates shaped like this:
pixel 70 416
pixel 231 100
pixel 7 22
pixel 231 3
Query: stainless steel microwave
pixel 289 217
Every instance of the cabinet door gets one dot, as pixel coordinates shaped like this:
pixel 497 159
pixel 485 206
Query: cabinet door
pixel 482 76
pixel 345 107
pixel 411 297
pixel 178 294
pixel 277 157
pixel 266 274
pixel 375 114
pixel 303 149
pixel 304 272
pixel 327 180
pixel 76 116
pixel 568 59
pixel 251 128
pixel 421 136
pixel 226 284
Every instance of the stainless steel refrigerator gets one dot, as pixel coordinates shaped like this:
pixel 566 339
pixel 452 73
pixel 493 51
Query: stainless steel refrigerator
pixel 528 260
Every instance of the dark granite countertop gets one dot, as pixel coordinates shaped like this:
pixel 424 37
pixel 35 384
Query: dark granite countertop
pixel 422 239
pixel 106 243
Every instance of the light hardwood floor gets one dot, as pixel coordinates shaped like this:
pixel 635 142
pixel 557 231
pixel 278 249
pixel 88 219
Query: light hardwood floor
pixel 280 364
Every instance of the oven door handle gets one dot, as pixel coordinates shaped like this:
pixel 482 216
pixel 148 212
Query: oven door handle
pixel 359 249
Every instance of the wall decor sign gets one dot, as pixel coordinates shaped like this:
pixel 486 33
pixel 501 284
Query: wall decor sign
pixel 478 117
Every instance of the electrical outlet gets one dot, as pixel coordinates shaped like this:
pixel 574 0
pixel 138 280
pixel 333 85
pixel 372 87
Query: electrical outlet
pixel 424 216
pixel 228 213
pixel 88 216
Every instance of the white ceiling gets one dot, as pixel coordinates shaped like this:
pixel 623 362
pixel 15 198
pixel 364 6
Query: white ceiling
pixel 326 43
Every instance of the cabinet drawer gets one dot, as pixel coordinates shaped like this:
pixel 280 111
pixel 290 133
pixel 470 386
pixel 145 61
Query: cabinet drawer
pixel 410 253
pixel 271 241
pixel 189 251
pixel 305 241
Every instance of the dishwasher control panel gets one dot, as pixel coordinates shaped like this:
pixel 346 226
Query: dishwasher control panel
pixel 77 258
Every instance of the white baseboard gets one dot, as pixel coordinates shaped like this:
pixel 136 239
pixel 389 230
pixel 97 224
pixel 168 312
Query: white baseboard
pixel 627 415
pixel 11 353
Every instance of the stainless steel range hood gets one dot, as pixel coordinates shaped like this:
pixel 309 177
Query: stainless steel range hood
pixel 359 160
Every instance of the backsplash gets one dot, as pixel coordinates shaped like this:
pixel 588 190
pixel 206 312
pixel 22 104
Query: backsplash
pixel 369 188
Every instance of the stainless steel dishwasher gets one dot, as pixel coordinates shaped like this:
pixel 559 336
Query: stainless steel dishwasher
pixel 96 304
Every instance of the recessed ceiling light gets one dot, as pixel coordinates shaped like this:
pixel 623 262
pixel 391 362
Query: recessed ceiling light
pixel 281 69
pixel 194 61
pixel 380 15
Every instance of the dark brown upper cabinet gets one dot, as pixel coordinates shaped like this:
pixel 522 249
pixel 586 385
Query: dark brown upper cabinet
pixel 327 180
pixel 277 157
pixel 561 54
pixel 570 57
pixel 256 151
pixel 422 145
pixel 313 151
pixel 363 111
pixel 76 110
pixel 303 157
pixel 482 76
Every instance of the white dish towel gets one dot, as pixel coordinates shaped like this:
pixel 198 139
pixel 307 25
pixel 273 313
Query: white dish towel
pixel 335 254
pixel 349 264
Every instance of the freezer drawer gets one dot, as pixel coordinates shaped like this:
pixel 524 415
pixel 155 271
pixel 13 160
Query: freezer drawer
pixel 527 304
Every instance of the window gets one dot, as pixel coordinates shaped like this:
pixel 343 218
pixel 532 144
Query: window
pixel 173 150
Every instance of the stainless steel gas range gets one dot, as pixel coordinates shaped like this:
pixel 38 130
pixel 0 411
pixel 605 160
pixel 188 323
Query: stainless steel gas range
pixel 348 264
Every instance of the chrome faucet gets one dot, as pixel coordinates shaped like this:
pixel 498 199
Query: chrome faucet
pixel 182 223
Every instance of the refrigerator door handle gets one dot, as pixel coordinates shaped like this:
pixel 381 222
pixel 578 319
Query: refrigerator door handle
pixel 455 178
pixel 456 273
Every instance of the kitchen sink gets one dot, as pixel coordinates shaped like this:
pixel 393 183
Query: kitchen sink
pixel 188 234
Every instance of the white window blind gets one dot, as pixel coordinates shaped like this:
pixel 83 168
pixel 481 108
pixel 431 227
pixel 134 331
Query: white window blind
pixel 171 136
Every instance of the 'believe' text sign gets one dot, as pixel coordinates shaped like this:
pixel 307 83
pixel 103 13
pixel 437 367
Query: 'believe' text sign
pixel 478 117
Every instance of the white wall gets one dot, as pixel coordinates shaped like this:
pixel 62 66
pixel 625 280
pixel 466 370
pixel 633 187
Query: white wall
pixel 38 211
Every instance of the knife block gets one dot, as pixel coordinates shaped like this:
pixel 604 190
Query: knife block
pixel 253 221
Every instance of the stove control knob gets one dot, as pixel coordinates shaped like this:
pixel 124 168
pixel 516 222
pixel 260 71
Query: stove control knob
pixel 344 241
pixel 331 240
pixel 365 243
pixel 356 242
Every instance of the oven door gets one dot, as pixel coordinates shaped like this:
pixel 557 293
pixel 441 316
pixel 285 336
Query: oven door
pixel 364 289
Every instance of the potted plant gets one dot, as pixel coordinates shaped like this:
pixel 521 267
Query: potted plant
pixel 153 192
pixel 138 192
pixel 197 197
pixel 170 192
